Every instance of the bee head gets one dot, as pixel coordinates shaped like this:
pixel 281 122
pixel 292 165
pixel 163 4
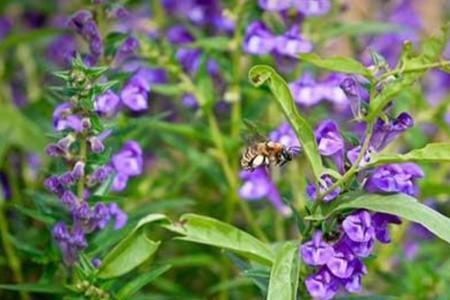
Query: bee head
pixel 286 154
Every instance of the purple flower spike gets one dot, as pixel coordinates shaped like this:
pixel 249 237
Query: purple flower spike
pixel 135 93
pixel 316 252
pixel 331 142
pixel 70 243
pixel 313 7
pixel 107 104
pixel 381 222
pixel 322 285
pixel 358 226
pixel 259 40
pixel 292 43
pixel 275 5
pixel 395 178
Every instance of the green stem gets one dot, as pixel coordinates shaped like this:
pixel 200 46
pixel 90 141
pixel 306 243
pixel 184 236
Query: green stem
pixel 440 64
pixel 82 157
pixel 353 170
pixel 13 260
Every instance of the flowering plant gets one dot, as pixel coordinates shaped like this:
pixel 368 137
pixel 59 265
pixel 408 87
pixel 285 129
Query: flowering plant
pixel 121 175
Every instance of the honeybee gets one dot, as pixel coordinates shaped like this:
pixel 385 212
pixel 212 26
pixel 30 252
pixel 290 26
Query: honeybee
pixel 264 152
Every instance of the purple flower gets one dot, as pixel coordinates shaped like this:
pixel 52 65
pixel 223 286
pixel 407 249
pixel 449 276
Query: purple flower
pixel 179 35
pixel 53 184
pixel 275 5
pixel 107 104
pixel 62 50
pixel 189 58
pixel 331 142
pixel 360 249
pixel 69 199
pixel 78 170
pixel 118 215
pixel 355 93
pixel 135 93
pixel 381 222
pixel 257 185
pixel 70 243
pixel 343 262
pixel 189 101
pixel 394 178
pixel 96 262
pixel 129 45
pixel 99 175
pixel 127 162
pixel 308 92
pixel 316 252
pixel 96 144
pixel 313 7
pixel 60 114
pixel 285 135
pixel 291 43
pixel 259 40
pixel 322 285
pixel 353 284
pixel 325 183
pixel 352 155
pixel 385 132
pixel 358 226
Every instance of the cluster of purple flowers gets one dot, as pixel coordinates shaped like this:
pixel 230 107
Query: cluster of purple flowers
pixel 84 24
pixel 80 141
pixel 339 263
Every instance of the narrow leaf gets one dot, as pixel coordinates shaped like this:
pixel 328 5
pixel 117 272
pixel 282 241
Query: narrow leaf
pixel 43 288
pixel 261 74
pixel 132 287
pixel 132 251
pixel 405 207
pixel 284 274
pixel 434 152
pixel 209 231
pixel 337 64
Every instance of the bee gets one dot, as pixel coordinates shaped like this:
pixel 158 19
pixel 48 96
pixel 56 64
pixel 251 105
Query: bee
pixel 264 152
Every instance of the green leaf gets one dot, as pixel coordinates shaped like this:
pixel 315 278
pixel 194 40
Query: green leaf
pixel 16 129
pixel 261 74
pixel 403 206
pixel 209 231
pixel 433 152
pixel 360 28
pixel 337 63
pixel 410 69
pixel 219 43
pixel 132 287
pixel 284 274
pixel 43 288
pixel 132 251
pixel 27 37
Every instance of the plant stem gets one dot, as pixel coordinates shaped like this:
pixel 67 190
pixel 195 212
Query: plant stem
pixel 12 258
pixel 82 157
pixel 416 69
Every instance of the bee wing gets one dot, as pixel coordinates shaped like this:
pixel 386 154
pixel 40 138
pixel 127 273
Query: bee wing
pixel 251 133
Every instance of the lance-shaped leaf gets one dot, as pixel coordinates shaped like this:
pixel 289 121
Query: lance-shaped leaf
pixel 403 206
pixel 262 74
pixel 39 288
pixel 409 70
pixel 133 286
pixel 132 251
pixel 337 64
pixel 284 274
pixel 434 152
pixel 209 231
